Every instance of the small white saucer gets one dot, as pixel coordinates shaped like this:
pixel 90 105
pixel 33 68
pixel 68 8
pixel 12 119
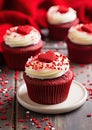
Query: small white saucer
pixel 76 98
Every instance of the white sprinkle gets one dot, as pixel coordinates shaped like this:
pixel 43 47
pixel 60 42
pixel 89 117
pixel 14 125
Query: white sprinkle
pixel 27 112
pixel 6 81
pixel 5 89
pixel 32 123
pixel 4 92
pixel 30 119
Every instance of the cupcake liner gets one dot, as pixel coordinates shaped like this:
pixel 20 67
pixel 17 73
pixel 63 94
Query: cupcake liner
pixel 81 54
pixel 59 32
pixel 16 57
pixel 49 91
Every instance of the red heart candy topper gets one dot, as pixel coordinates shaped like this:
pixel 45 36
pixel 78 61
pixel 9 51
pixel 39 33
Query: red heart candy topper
pixel 47 57
pixel 24 29
pixel 87 28
pixel 63 9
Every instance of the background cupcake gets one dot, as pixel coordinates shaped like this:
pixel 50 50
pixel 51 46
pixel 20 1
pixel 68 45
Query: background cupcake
pixel 79 43
pixel 48 74
pixel 60 19
pixel 20 43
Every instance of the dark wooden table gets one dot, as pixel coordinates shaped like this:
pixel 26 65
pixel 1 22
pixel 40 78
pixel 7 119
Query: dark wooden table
pixel 13 116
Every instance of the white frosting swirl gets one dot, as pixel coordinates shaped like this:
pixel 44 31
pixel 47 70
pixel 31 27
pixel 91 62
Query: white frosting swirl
pixel 79 37
pixel 14 39
pixel 42 70
pixel 55 17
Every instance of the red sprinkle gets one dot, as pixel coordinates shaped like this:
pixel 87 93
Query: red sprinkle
pixel 89 115
pixel 6 95
pixel 13 126
pixel 90 84
pixel 87 99
pixel 7 123
pixel 38 126
pixel 3 117
pixel 63 9
pixel 27 116
pixel 1 103
pixel 43 119
pixel 24 127
pixel 87 28
pixel 46 118
pixel 24 29
pixel 46 128
pixel 21 120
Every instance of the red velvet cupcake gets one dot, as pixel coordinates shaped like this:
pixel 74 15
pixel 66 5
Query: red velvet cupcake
pixel 79 43
pixel 20 43
pixel 48 77
pixel 60 19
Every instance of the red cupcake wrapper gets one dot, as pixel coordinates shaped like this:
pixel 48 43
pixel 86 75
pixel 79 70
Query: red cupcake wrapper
pixel 59 32
pixel 16 57
pixel 81 54
pixel 50 91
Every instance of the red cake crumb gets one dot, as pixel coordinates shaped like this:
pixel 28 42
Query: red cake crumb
pixel 89 115
pixel 63 9
pixel 24 127
pixel 47 57
pixel 87 28
pixel 24 29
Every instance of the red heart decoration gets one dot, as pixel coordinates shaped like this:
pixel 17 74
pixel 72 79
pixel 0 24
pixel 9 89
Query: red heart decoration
pixel 47 57
pixel 24 29
pixel 63 9
pixel 87 28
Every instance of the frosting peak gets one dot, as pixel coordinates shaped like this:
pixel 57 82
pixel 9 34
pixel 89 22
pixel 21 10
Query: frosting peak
pixel 42 67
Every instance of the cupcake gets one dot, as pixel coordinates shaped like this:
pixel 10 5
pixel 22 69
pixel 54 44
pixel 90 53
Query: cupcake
pixel 79 43
pixel 21 42
pixel 60 19
pixel 48 77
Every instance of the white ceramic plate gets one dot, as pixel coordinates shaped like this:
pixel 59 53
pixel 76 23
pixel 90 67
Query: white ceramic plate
pixel 76 98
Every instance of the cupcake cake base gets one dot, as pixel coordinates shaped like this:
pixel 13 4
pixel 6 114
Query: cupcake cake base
pixel 59 32
pixel 49 91
pixel 81 54
pixel 76 98
pixel 16 57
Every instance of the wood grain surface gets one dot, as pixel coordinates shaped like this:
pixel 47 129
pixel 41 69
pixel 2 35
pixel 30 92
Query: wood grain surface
pixel 13 116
